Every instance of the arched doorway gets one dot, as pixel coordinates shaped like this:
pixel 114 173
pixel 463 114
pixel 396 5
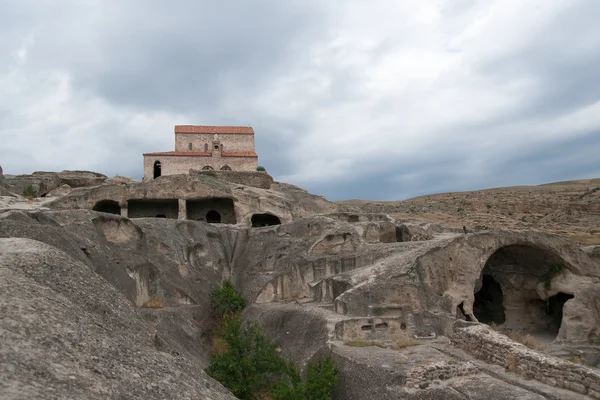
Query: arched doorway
pixel 213 217
pixel 225 168
pixel 512 287
pixel 207 168
pixel 157 169
pixel 259 220
pixel 107 206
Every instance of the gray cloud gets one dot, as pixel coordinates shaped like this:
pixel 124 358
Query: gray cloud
pixel 348 99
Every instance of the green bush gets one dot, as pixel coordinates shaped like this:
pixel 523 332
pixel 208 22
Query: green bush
pixel 260 168
pixel 321 380
pixel 250 364
pixel 226 300
pixel 30 192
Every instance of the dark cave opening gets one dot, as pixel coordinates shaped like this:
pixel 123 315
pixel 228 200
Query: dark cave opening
pixel 554 309
pixel 489 302
pixel 213 217
pixel 107 206
pixel 259 220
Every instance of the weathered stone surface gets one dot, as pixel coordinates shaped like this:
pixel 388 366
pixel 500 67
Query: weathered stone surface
pixel 120 180
pixel 255 179
pixel 284 201
pixel 67 333
pixel 60 191
pixel 77 179
pixel 321 279
pixel 42 182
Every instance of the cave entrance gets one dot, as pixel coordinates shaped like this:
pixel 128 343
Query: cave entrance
pixel 512 291
pixel 157 169
pixel 107 206
pixel 259 220
pixel 555 306
pixel 489 302
pixel 212 210
pixel 153 208
pixel 213 217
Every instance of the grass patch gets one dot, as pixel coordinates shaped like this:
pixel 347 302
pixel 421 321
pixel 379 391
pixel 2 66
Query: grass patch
pixel 511 363
pixel 154 302
pixel 406 342
pixel 363 343
pixel 526 339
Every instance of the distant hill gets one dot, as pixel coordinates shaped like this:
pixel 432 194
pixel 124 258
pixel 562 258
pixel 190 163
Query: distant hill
pixel 569 208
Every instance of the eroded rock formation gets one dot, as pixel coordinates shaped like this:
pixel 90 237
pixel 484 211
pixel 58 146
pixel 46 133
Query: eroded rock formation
pixel 320 280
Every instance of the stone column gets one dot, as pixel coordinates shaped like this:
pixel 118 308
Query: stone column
pixel 182 210
pixel 124 209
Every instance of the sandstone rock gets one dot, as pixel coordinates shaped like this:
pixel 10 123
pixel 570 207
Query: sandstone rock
pixel 322 278
pixel 120 180
pixel 42 182
pixel 70 334
pixel 59 191
pixel 76 179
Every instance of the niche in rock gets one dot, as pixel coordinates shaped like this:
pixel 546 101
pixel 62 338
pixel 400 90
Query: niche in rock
pixel 259 220
pixel 107 206
pixel 509 291
pixel 153 208
pixel 212 210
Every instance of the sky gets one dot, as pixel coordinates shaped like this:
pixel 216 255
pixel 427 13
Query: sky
pixel 374 100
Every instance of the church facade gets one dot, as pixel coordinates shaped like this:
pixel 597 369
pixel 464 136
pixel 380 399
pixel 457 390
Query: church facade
pixel 201 147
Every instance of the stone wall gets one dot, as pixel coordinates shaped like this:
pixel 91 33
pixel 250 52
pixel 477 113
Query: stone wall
pixel 496 348
pixel 421 377
pixel 256 179
pixel 173 165
pixel 235 142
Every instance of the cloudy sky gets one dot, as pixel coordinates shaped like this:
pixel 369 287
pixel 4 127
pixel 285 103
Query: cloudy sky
pixel 382 99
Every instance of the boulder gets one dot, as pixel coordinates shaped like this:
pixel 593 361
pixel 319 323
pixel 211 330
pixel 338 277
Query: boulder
pixel 60 191
pixel 42 182
pixel 120 180
pixel 77 179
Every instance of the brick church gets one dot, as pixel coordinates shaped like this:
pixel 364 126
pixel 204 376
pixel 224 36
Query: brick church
pixel 204 148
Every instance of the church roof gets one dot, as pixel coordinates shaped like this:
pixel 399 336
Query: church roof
pixel 221 130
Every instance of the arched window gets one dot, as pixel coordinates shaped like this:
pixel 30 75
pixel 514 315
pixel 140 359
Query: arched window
pixel 222 147
pixel 225 168
pixel 207 168
pixel 157 169
pixel 205 146
pixel 190 147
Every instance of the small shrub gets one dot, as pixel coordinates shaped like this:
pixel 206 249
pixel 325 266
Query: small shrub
pixel 489 206
pixel 154 302
pixel 260 168
pixel 321 380
pixel 226 300
pixel 552 272
pixel 30 192
pixel 251 362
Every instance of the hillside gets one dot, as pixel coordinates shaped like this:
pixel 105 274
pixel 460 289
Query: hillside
pixel 570 209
